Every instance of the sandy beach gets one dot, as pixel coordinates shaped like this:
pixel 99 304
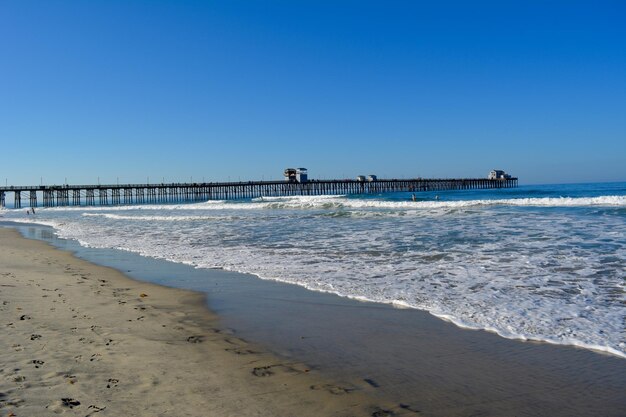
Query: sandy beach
pixel 83 339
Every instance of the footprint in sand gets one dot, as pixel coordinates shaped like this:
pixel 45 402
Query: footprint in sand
pixel 372 382
pixel 280 367
pixel 383 413
pixel 241 351
pixel 71 379
pixel 262 371
pixel 333 389
pixel 35 336
pixel 195 339
pixel 70 402
pixel 38 363
pixel 94 409
pixel 409 408
pixel 112 382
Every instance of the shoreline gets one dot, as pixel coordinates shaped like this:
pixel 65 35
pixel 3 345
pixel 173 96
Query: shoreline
pixel 572 343
pixel 84 339
pixel 404 357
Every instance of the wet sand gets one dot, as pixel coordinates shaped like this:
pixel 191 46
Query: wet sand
pixel 82 339
pixel 403 357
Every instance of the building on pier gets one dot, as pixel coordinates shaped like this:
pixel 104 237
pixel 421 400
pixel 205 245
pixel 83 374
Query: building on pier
pixel 302 175
pixel 290 175
pixel 296 175
pixel 498 174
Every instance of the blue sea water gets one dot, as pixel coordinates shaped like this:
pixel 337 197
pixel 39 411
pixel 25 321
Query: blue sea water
pixel 536 262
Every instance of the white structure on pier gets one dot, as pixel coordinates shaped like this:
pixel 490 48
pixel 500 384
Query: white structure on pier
pixel 299 175
pixel 498 174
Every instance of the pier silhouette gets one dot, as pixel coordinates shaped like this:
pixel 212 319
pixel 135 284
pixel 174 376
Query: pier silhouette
pixel 128 194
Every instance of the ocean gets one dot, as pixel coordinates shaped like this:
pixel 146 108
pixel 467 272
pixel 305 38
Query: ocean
pixel 538 262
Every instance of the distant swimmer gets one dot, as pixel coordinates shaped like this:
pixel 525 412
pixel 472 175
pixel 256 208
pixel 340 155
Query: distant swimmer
pixel 436 197
pixel 413 197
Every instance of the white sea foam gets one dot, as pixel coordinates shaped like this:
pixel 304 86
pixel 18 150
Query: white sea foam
pixel 299 198
pixel 338 202
pixel 531 274
pixel 171 218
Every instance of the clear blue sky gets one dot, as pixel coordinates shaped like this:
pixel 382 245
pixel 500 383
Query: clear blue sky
pixel 243 89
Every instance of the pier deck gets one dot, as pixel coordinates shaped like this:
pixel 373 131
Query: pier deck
pixel 124 194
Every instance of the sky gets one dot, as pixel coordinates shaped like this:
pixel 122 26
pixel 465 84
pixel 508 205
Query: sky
pixel 175 91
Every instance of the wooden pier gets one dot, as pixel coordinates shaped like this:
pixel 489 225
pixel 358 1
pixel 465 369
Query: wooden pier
pixel 127 194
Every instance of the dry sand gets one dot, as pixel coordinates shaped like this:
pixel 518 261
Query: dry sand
pixel 82 339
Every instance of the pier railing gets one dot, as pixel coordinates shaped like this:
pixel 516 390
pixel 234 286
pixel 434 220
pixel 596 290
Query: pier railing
pixel 119 194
